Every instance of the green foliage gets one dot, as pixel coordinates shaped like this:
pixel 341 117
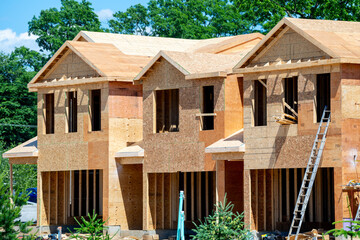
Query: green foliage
pixel 353 230
pixel 94 228
pixel 18 106
pixel 181 19
pixel 55 26
pixel 133 21
pixel 223 224
pixel 10 207
pixel 215 18
pixel 265 14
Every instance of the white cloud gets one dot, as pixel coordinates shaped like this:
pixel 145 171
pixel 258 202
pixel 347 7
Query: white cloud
pixel 10 39
pixel 105 14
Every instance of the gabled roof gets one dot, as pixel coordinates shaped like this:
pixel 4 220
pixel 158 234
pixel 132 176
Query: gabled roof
pixel 104 58
pixel 338 39
pixel 150 46
pixel 197 64
pixel 26 149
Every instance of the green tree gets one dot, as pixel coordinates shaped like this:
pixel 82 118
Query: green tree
pixel 10 208
pixel 223 224
pixel 195 19
pixel 265 14
pixel 18 106
pixel 134 20
pixel 55 26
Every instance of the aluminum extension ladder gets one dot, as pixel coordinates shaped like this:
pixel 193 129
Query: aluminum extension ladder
pixel 310 174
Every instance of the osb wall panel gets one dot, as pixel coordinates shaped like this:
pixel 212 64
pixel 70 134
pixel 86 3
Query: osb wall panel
pixel 125 181
pixel 233 104
pixel 350 83
pixel 125 200
pixel 71 66
pixel 183 150
pixel 273 145
pixel 351 101
pixel 290 46
pixel 125 100
pixel 73 151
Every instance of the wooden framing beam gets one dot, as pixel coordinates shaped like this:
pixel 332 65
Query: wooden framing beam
pixel 287 195
pixel 192 198
pixel 262 82
pixel 290 108
pixel 80 193
pixel 87 192
pixel 207 192
pixel 199 196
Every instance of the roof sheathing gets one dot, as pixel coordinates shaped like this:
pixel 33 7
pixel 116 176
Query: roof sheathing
pixel 276 31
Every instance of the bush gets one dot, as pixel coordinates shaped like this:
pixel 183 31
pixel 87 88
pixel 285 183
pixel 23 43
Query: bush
pixel 352 232
pixel 94 228
pixel 10 211
pixel 223 224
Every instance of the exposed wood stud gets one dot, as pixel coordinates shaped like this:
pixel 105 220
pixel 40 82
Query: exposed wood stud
pixel 87 192
pixel 207 192
pixel 80 193
pixel 257 199
pixel 287 195
pixel 192 198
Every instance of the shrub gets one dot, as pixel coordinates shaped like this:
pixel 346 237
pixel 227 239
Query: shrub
pixel 94 228
pixel 10 211
pixel 353 230
pixel 223 224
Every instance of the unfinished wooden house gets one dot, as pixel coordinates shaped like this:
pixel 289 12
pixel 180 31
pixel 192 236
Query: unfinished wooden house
pixel 300 67
pixel 189 102
pixel 90 123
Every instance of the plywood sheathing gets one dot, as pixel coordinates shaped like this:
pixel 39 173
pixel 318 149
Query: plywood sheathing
pixel 125 181
pixel 234 45
pixel 350 129
pixel 272 145
pixel 193 63
pixel 73 151
pixel 150 46
pixel 338 39
pixel 164 152
pixel 84 59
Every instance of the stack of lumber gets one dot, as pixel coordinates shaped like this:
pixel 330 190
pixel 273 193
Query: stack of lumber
pixel 286 119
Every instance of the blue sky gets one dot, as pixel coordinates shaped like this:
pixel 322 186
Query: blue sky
pixel 15 14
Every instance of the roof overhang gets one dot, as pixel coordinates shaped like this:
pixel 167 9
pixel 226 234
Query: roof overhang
pixel 130 155
pixel 287 66
pixel 76 81
pixel 27 149
pixel 231 144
